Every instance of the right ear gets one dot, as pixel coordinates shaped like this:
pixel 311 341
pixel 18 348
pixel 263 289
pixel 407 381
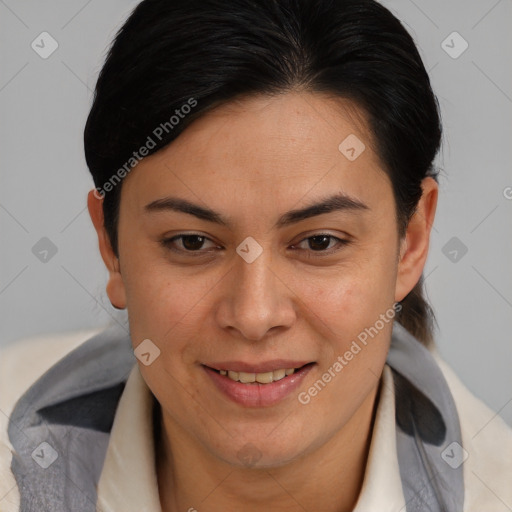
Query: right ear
pixel 115 286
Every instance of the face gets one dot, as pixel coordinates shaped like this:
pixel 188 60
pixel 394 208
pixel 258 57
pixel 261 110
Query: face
pixel 253 280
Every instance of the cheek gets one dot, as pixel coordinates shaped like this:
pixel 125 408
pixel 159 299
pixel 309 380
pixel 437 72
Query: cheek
pixel 352 313
pixel 167 308
pixel 346 299
pixel 161 300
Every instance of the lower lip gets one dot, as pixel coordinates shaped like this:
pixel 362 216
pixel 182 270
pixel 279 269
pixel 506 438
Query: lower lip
pixel 256 394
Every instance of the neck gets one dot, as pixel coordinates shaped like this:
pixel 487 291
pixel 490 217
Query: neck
pixel 331 475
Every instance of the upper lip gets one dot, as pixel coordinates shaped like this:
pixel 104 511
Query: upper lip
pixel 263 367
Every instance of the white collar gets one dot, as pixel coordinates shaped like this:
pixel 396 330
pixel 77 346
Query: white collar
pixel 128 480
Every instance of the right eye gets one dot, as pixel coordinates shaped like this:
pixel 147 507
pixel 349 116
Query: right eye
pixel 191 243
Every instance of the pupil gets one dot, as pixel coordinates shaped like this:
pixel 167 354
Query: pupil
pixel 192 246
pixel 314 239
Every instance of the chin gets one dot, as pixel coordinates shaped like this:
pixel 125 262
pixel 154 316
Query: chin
pixel 260 454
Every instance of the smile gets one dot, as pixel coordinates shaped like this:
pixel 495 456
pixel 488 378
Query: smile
pixel 258 389
pixel 261 378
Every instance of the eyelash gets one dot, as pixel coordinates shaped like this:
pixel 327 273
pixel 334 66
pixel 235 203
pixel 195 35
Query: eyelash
pixel 168 244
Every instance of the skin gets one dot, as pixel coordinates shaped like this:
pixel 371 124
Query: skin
pixel 253 160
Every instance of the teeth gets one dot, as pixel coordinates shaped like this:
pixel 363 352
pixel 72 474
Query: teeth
pixel 262 378
pixel 279 374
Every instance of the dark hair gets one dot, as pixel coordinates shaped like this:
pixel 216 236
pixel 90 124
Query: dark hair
pixel 171 53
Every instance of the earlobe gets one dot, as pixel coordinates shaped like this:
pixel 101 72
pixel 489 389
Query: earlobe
pixel 115 291
pixel 115 286
pixel 415 245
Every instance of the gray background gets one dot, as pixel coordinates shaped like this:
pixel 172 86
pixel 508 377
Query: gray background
pixel 44 179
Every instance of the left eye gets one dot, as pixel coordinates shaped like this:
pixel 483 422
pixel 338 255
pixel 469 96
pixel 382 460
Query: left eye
pixel 321 242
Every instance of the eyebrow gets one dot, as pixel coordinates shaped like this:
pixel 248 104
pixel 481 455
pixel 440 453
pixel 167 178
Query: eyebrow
pixel 336 202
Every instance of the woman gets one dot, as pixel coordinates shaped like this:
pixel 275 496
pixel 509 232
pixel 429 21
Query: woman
pixel 285 360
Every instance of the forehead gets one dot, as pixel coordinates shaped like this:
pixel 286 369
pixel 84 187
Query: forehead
pixel 263 151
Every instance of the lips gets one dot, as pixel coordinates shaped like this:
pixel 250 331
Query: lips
pixel 256 394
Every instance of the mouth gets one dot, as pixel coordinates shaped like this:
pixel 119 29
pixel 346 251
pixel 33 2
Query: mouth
pixel 258 389
pixel 261 377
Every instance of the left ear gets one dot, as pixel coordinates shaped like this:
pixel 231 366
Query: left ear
pixel 414 246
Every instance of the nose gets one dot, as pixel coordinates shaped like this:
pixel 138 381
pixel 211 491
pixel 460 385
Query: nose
pixel 255 299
